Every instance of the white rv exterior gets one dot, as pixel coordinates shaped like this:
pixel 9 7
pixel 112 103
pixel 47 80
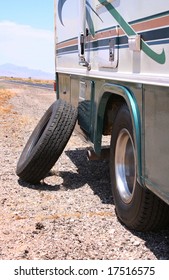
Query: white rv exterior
pixel 136 32
pixel 115 53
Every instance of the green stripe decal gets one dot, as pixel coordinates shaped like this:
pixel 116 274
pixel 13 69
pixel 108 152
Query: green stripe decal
pixel 159 58
pixel 90 22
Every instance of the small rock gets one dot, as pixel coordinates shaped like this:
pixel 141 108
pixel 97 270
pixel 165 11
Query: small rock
pixel 136 243
pixel 6 232
pixel 39 226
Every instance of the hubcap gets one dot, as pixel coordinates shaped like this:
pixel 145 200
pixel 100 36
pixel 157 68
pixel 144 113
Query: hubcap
pixel 125 166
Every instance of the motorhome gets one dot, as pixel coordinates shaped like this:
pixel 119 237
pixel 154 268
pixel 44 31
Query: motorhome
pixel 112 65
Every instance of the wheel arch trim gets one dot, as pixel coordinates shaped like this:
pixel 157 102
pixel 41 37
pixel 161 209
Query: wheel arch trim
pixel 128 96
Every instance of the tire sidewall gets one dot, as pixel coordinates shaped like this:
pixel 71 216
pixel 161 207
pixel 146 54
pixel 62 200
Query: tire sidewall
pixel 37 137
pixel 127 212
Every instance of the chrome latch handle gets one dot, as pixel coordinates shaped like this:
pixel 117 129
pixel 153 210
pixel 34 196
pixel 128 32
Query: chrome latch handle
pixel 82 60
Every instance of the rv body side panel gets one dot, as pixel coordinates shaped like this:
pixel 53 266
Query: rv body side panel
pixel 156 140
pixel 126 47
pixel 123 38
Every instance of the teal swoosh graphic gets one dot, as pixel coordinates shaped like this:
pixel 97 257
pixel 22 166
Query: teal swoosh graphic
pixel 60 7
pixel 90 22
pixel 87 3
pixel 88 16
pixel 159 58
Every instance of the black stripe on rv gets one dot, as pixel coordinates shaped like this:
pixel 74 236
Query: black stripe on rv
pixel 156 37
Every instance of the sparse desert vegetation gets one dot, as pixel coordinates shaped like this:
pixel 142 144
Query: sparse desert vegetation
pixel 30 79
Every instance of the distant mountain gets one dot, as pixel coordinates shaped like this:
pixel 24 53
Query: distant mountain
pixel 11 70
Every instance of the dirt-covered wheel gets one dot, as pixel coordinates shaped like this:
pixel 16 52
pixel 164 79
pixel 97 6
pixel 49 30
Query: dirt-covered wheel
pixel 136 206
pixel 47 142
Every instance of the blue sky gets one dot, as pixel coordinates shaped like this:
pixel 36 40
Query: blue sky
pixel 27 33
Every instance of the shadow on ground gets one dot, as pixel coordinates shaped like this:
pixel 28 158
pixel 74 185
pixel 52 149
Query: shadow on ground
pixel 96 175
pixel 157 242
pixel 93 173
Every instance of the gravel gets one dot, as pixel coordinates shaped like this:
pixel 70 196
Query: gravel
pixel 71 214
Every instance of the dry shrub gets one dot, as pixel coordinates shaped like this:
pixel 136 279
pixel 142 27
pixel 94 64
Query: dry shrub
pixel 5 96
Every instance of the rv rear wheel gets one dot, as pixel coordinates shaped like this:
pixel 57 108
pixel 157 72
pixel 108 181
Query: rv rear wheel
pixel 136 207
pixel 47 142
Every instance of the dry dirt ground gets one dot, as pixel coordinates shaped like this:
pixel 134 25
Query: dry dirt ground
pixel 71 214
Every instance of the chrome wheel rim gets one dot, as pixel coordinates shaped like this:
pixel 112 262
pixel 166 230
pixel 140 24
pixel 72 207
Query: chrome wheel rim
pixel 125 166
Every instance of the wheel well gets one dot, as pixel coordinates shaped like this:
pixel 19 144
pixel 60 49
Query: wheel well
pixel 114 102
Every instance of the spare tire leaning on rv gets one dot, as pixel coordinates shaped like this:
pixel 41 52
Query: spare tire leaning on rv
pixel 47 142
